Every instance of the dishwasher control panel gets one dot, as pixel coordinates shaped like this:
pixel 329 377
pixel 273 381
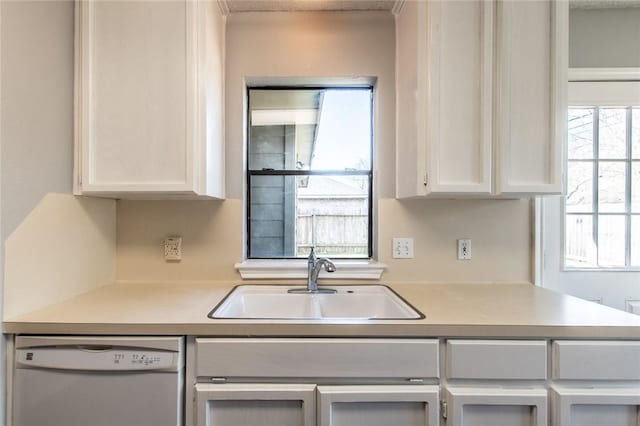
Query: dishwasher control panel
pixel 96 358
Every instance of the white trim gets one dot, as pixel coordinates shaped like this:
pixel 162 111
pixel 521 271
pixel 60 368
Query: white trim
pixel 538 250
pixel 353 81
pixel 397 7
pixel 297 269
pixel 604 74
pixel 223 5
pixel 604 93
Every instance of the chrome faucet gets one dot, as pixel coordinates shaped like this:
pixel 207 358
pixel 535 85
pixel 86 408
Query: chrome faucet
pixel 314 265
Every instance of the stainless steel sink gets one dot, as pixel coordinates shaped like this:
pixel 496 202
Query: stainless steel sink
pixel 350 302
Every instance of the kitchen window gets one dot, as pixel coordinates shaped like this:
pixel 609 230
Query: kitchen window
pixel 602 204
pixel 590 239
pixel 309 172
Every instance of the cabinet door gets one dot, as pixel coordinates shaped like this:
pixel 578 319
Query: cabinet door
pixel 148 97
pixel 531 81
pixel 255 405
pixel 496 407
pixel 459 116
pixel 444 62
pixel 411 99
pixel 595 407
pixel 378 405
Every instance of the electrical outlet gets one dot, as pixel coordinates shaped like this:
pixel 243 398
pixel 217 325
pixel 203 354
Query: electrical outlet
pixel 402 248
pixel 464 249
pixel 173 248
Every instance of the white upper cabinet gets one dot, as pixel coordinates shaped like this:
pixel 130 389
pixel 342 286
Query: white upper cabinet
pixel 531 96
pixel 480 97
pixel 149 99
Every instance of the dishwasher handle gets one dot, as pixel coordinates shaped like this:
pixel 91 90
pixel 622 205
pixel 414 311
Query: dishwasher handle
pixel 94 348
pixel 98 358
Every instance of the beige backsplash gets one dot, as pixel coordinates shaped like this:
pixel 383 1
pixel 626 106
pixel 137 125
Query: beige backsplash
pixel 69 245
pixel 65 247
pixel 212 240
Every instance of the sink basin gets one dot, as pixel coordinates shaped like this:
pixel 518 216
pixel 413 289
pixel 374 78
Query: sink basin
pixel 356 302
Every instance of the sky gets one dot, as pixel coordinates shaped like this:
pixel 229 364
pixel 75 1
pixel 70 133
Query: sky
pixel 344 131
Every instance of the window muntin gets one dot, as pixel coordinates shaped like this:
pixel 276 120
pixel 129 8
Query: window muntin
pixel 602 206
pixel 309 172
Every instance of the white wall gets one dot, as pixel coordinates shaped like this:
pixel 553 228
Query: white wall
pixel 37 105
pixel 324 45
pixel 604 37
pixel 36 115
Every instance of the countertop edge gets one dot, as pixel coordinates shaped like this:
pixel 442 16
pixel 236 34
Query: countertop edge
pixel 332 330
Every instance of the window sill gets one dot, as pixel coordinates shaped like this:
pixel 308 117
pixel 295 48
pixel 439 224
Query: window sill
pixel 297 269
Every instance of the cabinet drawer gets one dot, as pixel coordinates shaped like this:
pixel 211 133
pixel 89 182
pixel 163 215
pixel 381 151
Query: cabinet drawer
pixel 593 360
pixel 497 359
pixel 317 358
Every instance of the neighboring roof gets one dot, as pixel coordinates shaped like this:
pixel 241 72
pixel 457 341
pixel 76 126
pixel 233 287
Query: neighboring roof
pixel 332 186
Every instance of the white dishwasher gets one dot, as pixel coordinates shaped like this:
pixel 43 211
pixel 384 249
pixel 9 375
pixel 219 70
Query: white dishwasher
pixel 98 381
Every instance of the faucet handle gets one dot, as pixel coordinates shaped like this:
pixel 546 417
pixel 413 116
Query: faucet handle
pixel 312 254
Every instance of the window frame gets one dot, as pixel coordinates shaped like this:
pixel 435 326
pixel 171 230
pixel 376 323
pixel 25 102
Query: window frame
pixel 603 88
pixel 595 214
pixel 612 287
pixel 271 172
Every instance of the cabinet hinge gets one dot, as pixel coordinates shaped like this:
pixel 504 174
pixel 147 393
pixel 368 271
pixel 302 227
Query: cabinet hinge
pixel 218 380
pixel 426 180
pixel 443 408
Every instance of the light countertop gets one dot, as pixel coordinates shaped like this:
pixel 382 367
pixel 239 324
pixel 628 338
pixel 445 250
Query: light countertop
pixel 452 310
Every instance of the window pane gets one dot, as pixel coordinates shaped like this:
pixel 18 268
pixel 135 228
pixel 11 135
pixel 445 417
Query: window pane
pixel 611 240
pixel 580 249
pixel 635 187
pixel 319 129
pixel 344 134
pixel 635 240
pixel 612 133
pixel 611 187
pixel 333 215
pixel 580 133
pixel 580 187
pixel 635 132
pixel 289 214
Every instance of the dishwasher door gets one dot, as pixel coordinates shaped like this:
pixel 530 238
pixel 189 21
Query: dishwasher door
pixel 98 381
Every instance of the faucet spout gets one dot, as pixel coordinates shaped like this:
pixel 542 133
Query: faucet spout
pixel 314 266
pixel 312 279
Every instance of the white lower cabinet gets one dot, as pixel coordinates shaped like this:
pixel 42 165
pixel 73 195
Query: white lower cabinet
pixel 595 406
pixel 474 406
pixel 261 404
pixel 378 405
pixel 313 382
pixel 255 404
pixel 389 382
pixel 596 383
